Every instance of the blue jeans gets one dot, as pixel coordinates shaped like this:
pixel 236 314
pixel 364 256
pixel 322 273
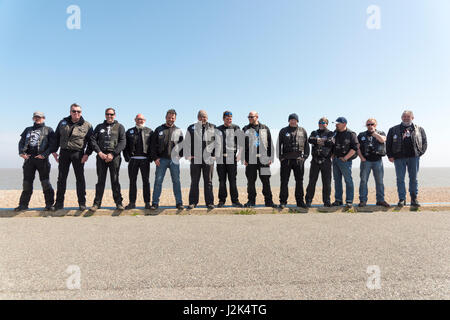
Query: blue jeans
pixel 378 173
pixel 159 178
pixel 400 170
pixel 341 168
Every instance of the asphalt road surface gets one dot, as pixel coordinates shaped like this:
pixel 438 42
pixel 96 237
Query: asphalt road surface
pixel 269 256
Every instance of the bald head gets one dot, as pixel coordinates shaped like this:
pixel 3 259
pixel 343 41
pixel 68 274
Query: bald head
pixel 140 120
pixel 253 117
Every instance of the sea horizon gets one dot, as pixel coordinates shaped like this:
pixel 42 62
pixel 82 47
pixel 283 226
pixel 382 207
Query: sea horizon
pixel 11 178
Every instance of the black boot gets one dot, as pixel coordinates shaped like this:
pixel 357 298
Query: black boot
pixel 401 203
pixel 414 202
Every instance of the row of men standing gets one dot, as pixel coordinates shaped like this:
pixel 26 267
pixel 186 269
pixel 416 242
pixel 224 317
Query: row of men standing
pixel 140 145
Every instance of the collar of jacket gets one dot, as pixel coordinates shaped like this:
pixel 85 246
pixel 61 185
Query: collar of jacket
pixel 338 132
pixel 37 126
pixel 196 125
pixel 410 126
pixel 69 120
pixel 107 124
pixel 164 125
pixel 255 125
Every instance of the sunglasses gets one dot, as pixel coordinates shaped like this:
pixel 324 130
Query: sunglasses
pixel 251 117
pixel 370 124
pixel 110 114
pixel 227 114
pixel 140 119
pixel 323 122
pixel 76 111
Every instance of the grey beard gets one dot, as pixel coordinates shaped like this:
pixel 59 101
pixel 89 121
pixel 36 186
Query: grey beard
pixel 139 127
pixel 406 124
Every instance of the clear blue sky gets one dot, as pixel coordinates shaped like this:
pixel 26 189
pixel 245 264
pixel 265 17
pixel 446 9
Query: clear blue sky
pixel 314 58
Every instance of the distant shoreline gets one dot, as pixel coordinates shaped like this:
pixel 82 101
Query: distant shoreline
pixel 11 179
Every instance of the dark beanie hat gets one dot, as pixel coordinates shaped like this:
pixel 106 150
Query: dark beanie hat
pixel 293 116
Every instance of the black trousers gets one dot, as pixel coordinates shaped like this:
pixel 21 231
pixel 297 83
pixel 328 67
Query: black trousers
pixel 196 171
pixel 67 157
pixel 133 169
pixel 102 170
pixel 251 172
pixel 230 171
pixel 29 171
pixel 298 166
pixel 325 169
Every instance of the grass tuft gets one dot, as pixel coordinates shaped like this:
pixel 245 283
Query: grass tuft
pixel 297 210
pixel 246 212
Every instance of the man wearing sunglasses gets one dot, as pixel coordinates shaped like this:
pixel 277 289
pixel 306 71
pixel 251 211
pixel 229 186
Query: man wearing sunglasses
pixel 372 148
pixel 73 138
pixel 405 144
pixel 35 146
pixel 108 141
pixel 258 157
pixel 322 147
pixel 137 154
pixel 228 141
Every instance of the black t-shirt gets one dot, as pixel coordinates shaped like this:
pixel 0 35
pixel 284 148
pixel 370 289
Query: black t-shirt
pixel 373 157
pixel 139 143
pixel 35 136
pixel 344 142
pixel 407 144
pixel 233 147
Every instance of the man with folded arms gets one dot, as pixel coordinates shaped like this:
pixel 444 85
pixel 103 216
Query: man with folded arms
pixel 322 148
